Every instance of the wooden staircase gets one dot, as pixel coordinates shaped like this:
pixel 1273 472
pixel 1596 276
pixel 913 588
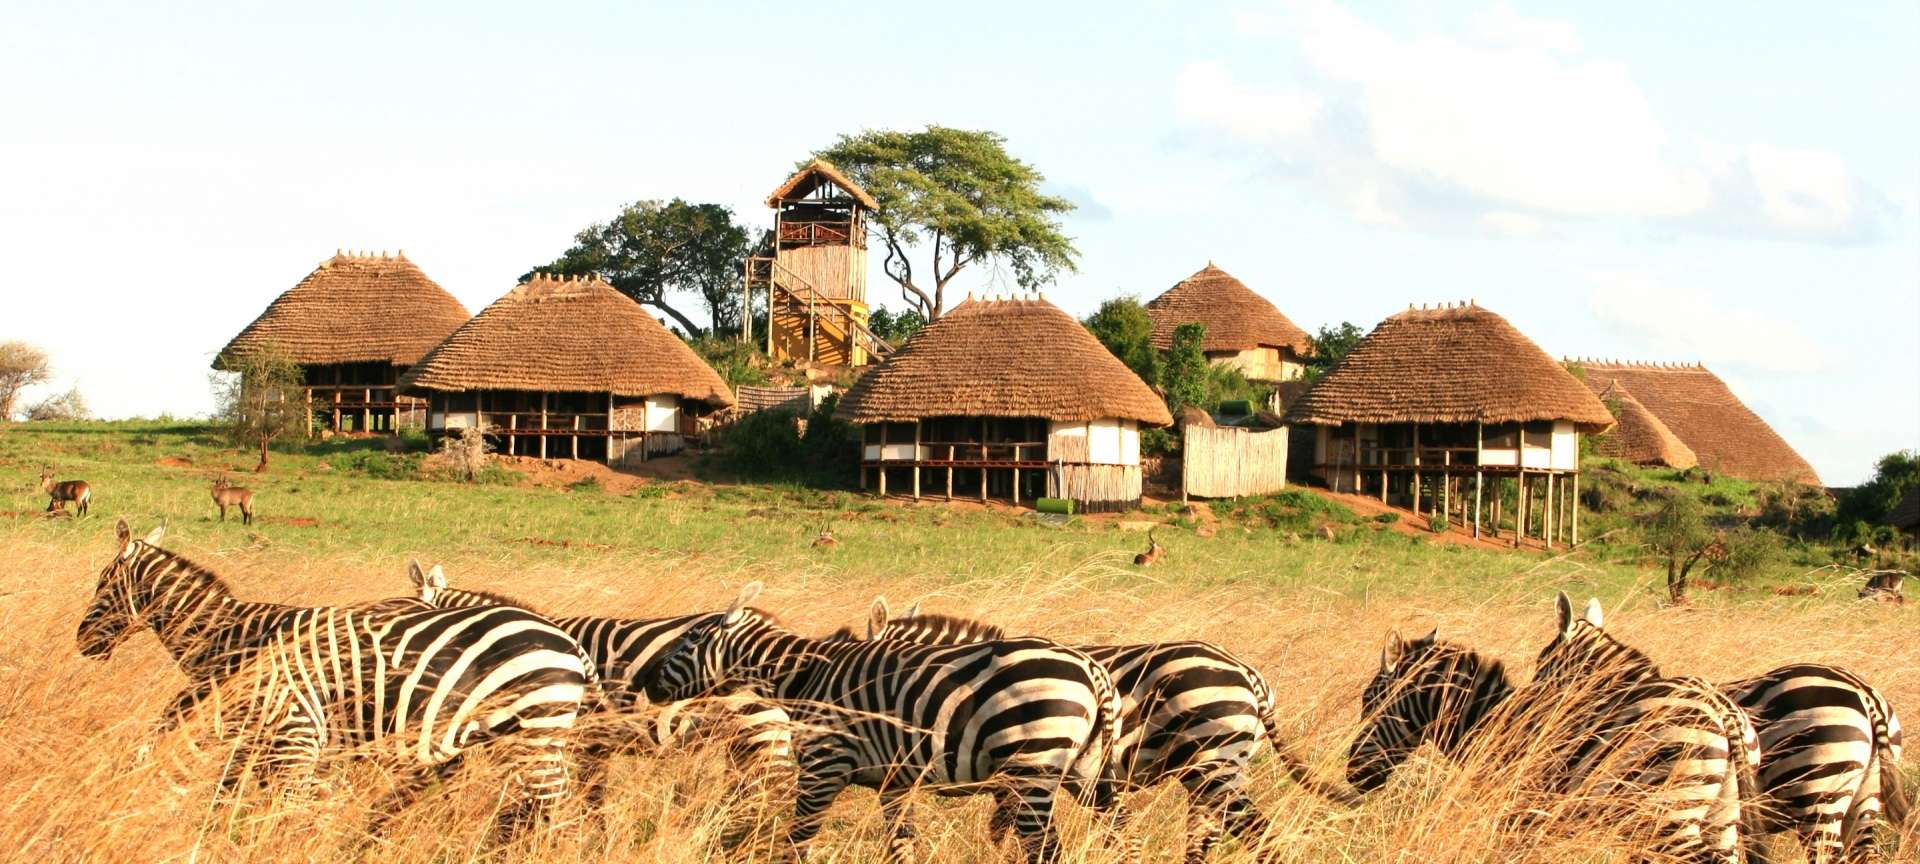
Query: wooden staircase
pixel 805 324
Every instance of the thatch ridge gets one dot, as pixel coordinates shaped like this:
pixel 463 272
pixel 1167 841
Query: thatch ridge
pixel 355 307
pixel 1724 434
pixel 1638 435
pixel 567 334
pixel 822 168
pixel 1236 318
pixel 1015 357
pixel 1456 363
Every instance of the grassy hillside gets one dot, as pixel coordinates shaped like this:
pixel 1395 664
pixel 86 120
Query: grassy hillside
pixel 333 526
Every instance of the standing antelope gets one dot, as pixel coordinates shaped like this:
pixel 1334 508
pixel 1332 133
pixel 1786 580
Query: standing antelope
pixel 226 495
pixel 60 492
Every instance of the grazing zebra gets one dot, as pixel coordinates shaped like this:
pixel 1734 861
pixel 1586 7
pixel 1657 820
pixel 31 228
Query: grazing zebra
pixel 1027 715
pixel 1193 713
pixel 432 683
pixel 757 734
pixel 1830 751
pixel 1680 741
pixel 1426 690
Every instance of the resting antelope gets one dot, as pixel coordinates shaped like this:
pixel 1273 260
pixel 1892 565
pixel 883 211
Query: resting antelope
pixel 227 495
pixel 1153 553
pixel 60 492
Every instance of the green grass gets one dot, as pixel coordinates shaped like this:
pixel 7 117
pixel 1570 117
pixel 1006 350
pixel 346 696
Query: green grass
pixel 366 501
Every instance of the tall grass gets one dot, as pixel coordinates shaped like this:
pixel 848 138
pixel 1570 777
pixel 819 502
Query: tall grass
pixel 74 784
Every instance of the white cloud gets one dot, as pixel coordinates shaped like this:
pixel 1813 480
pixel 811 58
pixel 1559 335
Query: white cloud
pixel 1665 322
pixel 1507 117
pixel 1511 224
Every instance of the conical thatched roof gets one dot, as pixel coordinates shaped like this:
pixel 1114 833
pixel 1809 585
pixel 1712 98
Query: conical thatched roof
pixel 1704 414
pixel 1236 318
pixel 1453 364
pixel 559 334
pixel 1638 436
pixel 354 308
pixel 809 178
pixel 1002 358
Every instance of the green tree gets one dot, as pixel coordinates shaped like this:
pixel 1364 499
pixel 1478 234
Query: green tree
pixel 1185 376
pixel 1330 346
pixel 1870 502
pixel 21 366
pixel 895 327
pixel 1679 532
pixel 259 398
pixel 1122 325
pixel 958 192
pixel 652 249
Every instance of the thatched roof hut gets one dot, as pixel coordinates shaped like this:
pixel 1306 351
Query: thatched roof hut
pixel 1451 364
pixel 1019 357
pixel 1236 318
pixel 1006 397
pixel 1638 436
pixel 563 334
pixel 810 177
pixel 1702 412
pixel 354 308
pixel 568 366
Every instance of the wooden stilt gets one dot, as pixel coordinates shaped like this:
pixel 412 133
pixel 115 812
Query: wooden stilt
pixel 1573 534
pixel 1477 481
pixel 916 460
pixel 1416 469
pixel 883 459
pixel 1547 505
pixel 1520 510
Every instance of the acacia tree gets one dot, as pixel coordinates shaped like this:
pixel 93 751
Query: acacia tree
pixel 958 193
pixel 260 398
pixel 1679 532
pixel 21 366
pixel 651 249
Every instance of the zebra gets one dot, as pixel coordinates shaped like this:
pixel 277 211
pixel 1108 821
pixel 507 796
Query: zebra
pixel 1028 716
pixel 1193 713
pixel 432 683
pixel 1830 749
pixel 757 734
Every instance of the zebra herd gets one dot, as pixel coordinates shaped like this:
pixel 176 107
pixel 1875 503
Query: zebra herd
pixel 959 707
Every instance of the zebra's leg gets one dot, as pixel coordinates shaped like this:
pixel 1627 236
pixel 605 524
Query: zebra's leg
pixel 1205 821
pixel 1244 821
pixel 759 778
pixel 405 792
pixel 539 780
pixel 821 780
pixel 1033 819
pixel 898 815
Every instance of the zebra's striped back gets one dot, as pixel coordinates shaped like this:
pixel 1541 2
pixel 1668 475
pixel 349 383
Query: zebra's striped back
pixel 1830 746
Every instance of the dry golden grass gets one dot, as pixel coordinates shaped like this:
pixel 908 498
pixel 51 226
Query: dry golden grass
pixel 75 786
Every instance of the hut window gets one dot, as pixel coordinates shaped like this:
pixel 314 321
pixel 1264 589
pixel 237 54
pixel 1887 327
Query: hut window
pixel 1504 436
pixel 1540 433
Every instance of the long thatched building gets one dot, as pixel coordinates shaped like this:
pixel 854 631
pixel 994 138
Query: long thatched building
pixel 1440 409
pixel 1692 405
pixel 1004 398
pixel 1244 330
pixel 568 367
pixel 354 325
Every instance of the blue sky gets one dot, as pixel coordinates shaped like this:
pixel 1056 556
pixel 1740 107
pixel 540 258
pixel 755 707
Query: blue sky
pixel 1733 183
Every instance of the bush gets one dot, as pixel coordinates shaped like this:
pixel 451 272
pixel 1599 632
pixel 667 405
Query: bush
pixel 1437 524
pixel 737 361
pixel 1290 510
pixel 764 445
pixel 1387 518
pixel 1159 442
pixel 377 464
pixel 64 406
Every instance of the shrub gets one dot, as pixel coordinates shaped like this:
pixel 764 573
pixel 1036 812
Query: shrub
pixel 764 445
pixel 1387 518
pixel 466 453
pixel 1290 510
pixel 737 361
pixel 377 464
pixel 1437 523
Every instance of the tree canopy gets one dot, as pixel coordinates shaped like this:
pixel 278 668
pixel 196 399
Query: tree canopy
pixel 958 193
pixel 1330 346
pixel 1123 326
pixel 652 249
pixel 259 399
pixel 1185 377
pixel 1870 502
pixel 895 327
pixel 21 366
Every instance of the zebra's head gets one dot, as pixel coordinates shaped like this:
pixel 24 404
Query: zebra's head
pixel 115 599
pixel 1426 690
pixel 694 663
pixel 1583 651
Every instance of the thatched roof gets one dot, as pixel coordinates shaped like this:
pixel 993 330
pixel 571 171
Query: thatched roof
pixel 1451 364
pixel 809 178
pixel 560 334
pixel 1638 436
pixel 1705 415
pixel 1236 318
pixel 1020 357
pixel 354 308
pixel 1906 514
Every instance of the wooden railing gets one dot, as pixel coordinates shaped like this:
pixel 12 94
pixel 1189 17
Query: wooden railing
pixel 816 233
pixel 938 454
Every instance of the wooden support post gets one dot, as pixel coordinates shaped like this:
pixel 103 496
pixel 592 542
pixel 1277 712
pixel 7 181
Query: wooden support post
pixel 1573 536
pixel 1546 507
pixel 576 438
pixel 1415 490
pixel 949 472
pixel 1446 486
pixel 916 460
pixel 543 424
pixel 746 304
pixel 1016 474
pixel 983 459
pixel 883 460
pixel 1520 510
pixel 1357 461
pixel 366 411
pixel 1477 481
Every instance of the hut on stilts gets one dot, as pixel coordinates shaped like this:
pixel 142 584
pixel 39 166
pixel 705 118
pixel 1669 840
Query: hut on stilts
pixel 354 325
pixel 568 367
pixel 1004 398
pixel 1698 410
pixel 812 270
pixel 1244 330
pixel 1455 414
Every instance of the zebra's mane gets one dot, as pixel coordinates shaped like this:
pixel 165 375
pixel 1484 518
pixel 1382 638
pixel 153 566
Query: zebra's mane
pixel 209 580
pixel 1593 651
pixel 947 628
pixel 478 597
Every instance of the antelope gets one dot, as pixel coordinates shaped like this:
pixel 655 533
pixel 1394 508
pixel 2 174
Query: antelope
pixel 60 492
pixel 1153 553
pixel 1884 586
pixel 227 495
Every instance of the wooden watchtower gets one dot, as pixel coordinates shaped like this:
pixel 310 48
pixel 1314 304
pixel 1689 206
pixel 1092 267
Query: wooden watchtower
pixel 812 269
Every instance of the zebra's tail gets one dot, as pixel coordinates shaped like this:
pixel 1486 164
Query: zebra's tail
pixel 1298 768
pixel 1743 750
pixel 1894 799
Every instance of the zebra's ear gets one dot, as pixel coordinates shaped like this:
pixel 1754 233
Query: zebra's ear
pixel 1431 637
pixel 124 533
pixel 913 611
pixel 437 578
pixel 1593 615
pixel 1390 654
pixel 153 537
pixel 414 573
pixel 1563 607
pixel 739 607
pixel 877 617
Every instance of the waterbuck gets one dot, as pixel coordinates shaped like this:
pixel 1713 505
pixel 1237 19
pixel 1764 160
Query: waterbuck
pixel 228 495
pixel 61 491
